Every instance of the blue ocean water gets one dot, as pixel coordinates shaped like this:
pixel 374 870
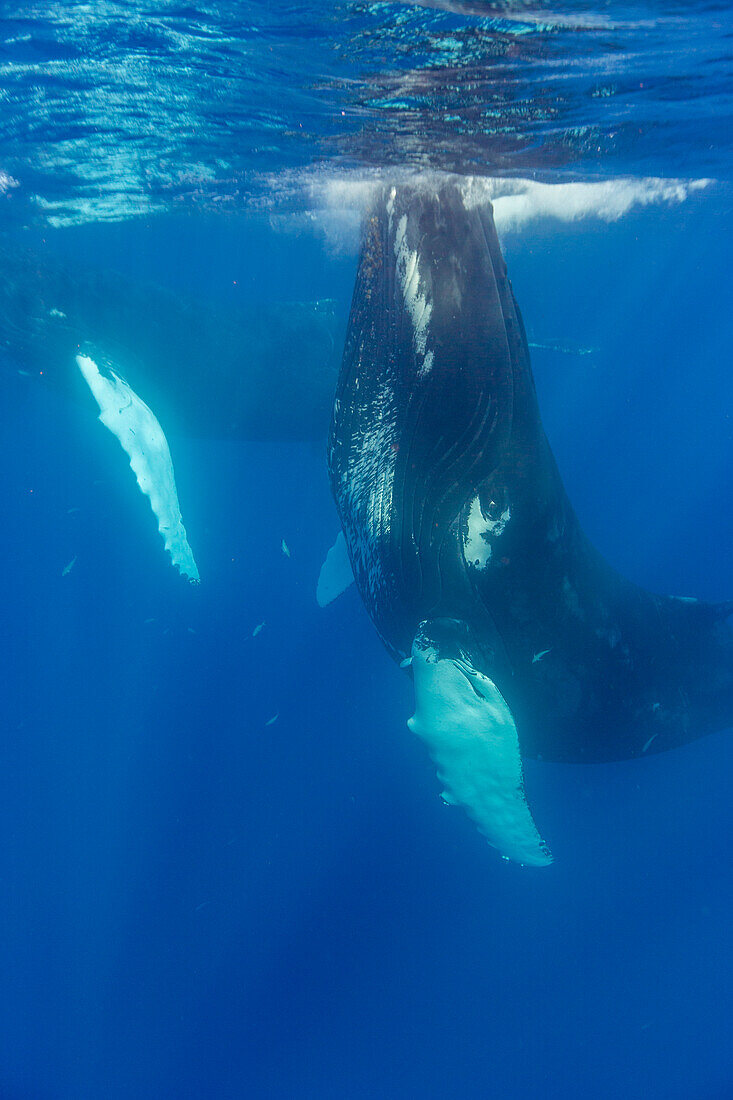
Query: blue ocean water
pixel 199 901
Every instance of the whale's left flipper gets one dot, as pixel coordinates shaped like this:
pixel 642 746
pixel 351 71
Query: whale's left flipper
pixel 471 735
pixel 143 440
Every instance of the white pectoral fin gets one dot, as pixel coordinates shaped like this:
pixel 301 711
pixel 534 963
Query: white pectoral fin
pixel 472 738
pixel 336 574
pixel 142 438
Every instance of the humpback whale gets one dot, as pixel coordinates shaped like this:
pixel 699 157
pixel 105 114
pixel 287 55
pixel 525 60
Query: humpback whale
pixel 522 641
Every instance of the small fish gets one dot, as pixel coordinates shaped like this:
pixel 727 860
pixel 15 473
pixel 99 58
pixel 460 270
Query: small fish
pixel 191 630
pixel 67 568
pixel 271 721
pixel 71 511
pixel 56 313
pixel 564 347
pixel 257 629
pixel 406 663
pixel 285 549
pixel 150 620
pixel 538 656
pixel 648 743
pixel 24 373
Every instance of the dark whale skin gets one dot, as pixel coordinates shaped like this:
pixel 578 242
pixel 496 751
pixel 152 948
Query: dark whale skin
pixel 455 514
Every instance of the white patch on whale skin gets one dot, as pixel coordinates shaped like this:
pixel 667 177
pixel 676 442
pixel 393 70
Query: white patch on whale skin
pixel 480 532
pixel 407 265
pixel 471 736
pixel 143 440
pixel 336 574
pixel 427 364
pixel 390 205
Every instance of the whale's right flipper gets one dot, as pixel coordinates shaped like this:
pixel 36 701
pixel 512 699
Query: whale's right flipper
pixel 472 738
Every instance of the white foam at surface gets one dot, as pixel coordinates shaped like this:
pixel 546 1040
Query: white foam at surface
pixel 468 728
pixel 336 574
pixel 142 438
pixel 338 199
pixel 517 202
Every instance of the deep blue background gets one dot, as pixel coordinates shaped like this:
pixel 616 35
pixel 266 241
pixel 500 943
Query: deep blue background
pixel 195 903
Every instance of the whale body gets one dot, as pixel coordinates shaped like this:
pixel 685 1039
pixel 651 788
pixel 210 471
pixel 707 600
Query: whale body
pixel 521 639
